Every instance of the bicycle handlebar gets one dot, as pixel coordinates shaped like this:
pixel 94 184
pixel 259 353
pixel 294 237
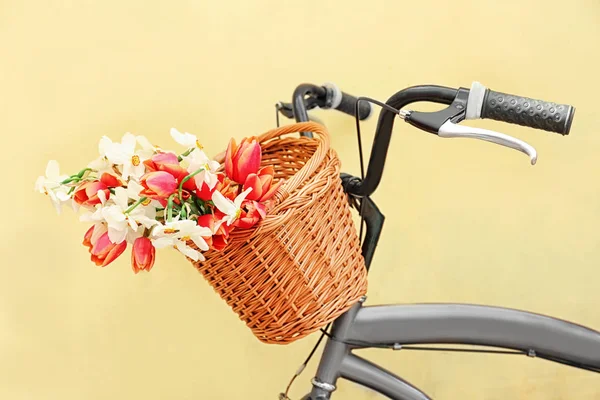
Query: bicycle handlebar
pixel 477 102
pixel 528 112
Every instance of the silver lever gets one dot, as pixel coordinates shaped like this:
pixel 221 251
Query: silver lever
pixel 452 130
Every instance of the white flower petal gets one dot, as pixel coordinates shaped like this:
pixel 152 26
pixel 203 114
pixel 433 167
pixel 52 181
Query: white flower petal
pixel 132 223
pixel 149 212
pixel 63 196
pixel 102 196
pixel 214 165
pixel 188 251
pixel 103 145
pixel 222 203
pixel 127 167
pixel 210 179
pixel 240 198
pixel 121 198
pixel 52 170
pixel 162 242
pixel 116 235
pixel 39 184
pixel 128 143
pixel 132 236
pixel 138 171
pixel 185 139
pixel 200 242
pixel 145 143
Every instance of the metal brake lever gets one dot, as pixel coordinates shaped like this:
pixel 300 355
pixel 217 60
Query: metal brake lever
pixel 452 130
pixel 444 123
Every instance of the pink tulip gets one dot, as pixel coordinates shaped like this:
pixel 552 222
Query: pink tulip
pixel 142 255
pixel 103 251
pixel 169 162
pixel 243 160
pixel 158 185
pixel 261 184
pixel 87 238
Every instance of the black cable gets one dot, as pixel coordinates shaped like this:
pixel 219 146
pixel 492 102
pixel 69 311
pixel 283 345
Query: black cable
pixel 361 154
pixel 312 352
pixel 277 108
pixel 284 396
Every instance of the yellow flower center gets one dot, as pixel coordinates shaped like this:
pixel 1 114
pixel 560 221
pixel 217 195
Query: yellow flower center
pixel 135 160
pixel 206 167
pixel 169 230
pixel 146 202
pixel 199 145
pixel 238 213
pixel 185 238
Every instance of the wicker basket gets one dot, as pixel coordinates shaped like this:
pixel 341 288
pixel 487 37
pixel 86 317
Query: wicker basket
pixel 302 266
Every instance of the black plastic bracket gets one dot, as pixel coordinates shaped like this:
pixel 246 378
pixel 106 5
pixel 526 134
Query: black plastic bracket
pixel 432 121
pixel 372 216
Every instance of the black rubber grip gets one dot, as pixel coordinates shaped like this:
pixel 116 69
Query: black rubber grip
pixel 348 106
pixel 524 111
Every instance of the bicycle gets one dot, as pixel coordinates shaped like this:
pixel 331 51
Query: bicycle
pixel 403 326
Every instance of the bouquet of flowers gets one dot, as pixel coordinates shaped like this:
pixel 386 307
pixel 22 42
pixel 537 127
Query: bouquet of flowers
pixel 139 194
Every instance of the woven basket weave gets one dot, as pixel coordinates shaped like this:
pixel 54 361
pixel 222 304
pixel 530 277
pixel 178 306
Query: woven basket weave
pixel 302 266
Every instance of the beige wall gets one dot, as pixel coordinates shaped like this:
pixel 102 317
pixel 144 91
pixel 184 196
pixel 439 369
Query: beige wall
pixel 466 221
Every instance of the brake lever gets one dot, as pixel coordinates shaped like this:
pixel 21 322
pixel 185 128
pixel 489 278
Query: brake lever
pixel 451 130
pixel 444 123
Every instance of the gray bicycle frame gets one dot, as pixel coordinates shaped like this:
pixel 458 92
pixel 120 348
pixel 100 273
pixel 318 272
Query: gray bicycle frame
pixel 396 325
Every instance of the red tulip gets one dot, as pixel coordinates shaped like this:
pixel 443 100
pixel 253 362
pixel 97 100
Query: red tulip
pixel 261 184
pixel 158 185
pixel 220 234
pixel 243 160
pixel 142 255
pixel 110 180
pixel 252 213
pixel 86 194
pixel 205 193
pixel 103 251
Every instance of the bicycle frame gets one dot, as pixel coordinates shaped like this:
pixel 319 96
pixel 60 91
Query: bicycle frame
pixel 363 327
pixel 397 325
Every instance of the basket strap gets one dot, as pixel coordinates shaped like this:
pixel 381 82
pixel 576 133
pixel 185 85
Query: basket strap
pixel 321 135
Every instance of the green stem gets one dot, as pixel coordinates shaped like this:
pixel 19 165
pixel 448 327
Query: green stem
pixel 187 178
pixel 76 177
pixel 83 171
pixel 186 153
pixel 183 212
pixel 170 208
pixel 134 205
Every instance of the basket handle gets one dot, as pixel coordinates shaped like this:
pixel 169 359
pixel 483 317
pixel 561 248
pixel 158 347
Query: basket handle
pixel 322 136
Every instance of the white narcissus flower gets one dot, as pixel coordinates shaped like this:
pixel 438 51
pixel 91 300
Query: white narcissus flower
pixel 122 225
pixel 197 159
pixel 52 186
pixel 185 139
pixel 231 209
pixel 102 164
pixel 124 154
pixel 178 233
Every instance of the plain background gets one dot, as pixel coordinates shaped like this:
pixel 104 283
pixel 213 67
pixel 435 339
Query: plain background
pixel 467 221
